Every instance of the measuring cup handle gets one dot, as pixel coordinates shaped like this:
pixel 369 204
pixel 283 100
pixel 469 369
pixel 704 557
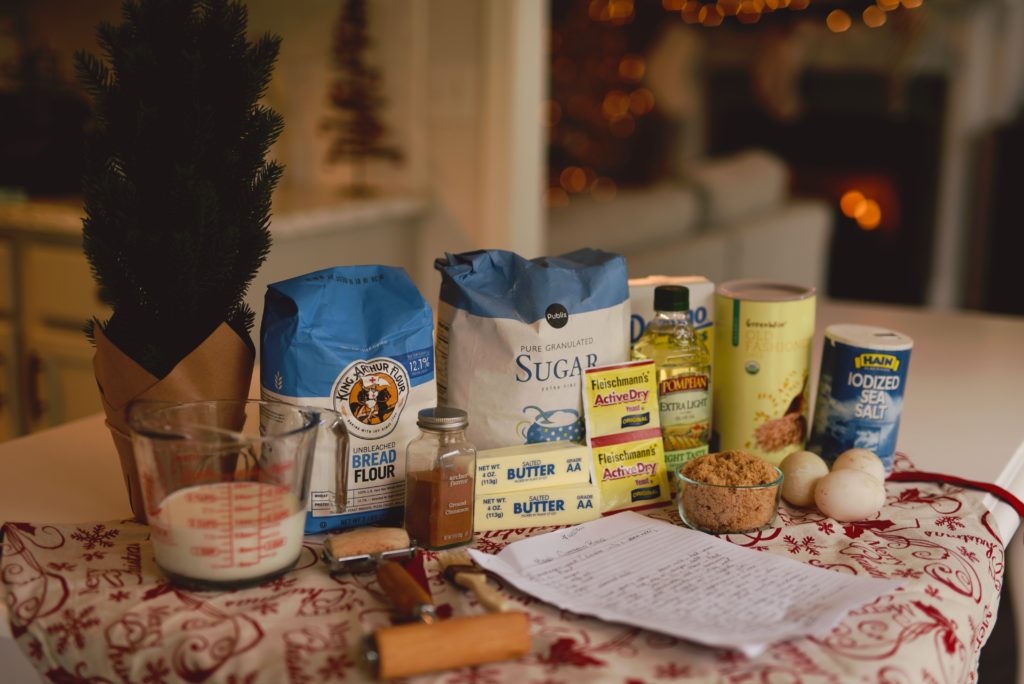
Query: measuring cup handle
pixel 341 465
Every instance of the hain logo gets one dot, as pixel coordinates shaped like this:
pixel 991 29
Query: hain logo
pixel 880 361
pixel 556 315
pixel 371 395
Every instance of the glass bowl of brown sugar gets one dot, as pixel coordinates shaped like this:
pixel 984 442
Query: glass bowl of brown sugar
pixel 728 492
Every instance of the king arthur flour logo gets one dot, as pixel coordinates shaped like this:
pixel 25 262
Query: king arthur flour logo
pixel 371 395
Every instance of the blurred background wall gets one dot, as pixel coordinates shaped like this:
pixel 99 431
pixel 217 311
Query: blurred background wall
pixel 868 148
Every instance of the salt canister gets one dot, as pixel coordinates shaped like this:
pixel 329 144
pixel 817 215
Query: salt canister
pixel 860 391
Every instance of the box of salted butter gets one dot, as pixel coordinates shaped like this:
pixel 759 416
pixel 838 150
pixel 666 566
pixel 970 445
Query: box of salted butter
pixel 564 505
pixel 528 466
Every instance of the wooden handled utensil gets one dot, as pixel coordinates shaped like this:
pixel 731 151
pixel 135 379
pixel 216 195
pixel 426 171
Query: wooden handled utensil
pixel 370 549
pixel 459 569
pixel 413 649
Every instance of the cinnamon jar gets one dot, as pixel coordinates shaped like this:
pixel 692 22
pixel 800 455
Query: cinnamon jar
pixel 440 470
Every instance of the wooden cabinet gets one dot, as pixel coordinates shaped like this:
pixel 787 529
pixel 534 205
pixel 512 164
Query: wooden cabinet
pixel 46 295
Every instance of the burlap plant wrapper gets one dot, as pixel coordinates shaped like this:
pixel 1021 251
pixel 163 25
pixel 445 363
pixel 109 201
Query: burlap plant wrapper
pixel 219 368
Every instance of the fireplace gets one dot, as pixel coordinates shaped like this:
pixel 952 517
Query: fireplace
pixel 849 140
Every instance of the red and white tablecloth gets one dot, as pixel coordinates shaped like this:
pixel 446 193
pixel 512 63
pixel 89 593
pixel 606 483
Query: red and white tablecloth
pixel 87 604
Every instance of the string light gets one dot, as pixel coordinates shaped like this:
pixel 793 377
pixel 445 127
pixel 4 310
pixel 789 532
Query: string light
pixel 750 12
pixel 850 201
pixel 869 215
pixel 573 179
pixel 713 12
pixel 865 211
pixel 691 12
pixel 729 8
pixel 838 21
pixel 874 16
pixel 615 104
pixel 557 197
pixel 632 67
pixel 641 101
pixel 710 15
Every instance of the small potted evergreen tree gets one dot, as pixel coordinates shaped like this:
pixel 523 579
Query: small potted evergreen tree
pixel 177 202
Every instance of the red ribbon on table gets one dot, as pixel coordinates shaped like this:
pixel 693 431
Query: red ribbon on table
pixel 994 490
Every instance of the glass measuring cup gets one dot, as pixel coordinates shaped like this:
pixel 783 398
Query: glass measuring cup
pixel 225 484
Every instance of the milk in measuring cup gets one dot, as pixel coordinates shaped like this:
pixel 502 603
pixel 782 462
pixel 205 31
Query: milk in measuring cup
pixel 228 531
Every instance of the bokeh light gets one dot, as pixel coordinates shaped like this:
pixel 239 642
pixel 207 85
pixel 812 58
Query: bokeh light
pixel 691 12
pixel 641 101
pixel 710 15
pixel 573 179
pixel 557 197
pixel 615 104
pixel 838 21
pixel 869 215
pixel 632 67
pixel 729 8
pixel 850 201
pixel 874 16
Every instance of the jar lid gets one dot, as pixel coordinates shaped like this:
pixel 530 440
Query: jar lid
pixel 442 418
pixel 671 298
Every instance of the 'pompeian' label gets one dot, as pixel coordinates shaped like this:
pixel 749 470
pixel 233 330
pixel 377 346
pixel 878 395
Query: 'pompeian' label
pixel 682 383
pixel 685 407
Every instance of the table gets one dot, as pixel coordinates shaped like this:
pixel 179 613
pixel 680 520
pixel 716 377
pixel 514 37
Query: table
pixel 962 417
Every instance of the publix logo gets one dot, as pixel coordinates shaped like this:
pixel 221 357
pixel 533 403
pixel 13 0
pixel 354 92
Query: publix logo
pixel 556 315
pixel 371 395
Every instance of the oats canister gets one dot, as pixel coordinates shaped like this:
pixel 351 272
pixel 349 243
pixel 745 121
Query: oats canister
pixel 761 360
pixel 860 391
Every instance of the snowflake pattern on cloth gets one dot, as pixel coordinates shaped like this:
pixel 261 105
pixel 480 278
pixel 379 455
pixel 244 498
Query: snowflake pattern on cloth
pixel 88 604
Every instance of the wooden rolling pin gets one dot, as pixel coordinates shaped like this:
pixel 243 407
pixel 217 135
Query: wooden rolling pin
pixel 414 649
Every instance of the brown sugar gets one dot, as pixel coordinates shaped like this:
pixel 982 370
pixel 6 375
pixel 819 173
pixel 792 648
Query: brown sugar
pixel 730 468
pixel 733 491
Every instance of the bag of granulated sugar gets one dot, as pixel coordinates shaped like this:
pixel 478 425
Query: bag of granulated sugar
pixel 515 335
pixel 358 340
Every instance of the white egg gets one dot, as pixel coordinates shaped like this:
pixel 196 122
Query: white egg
pixel 849 494
pixel 861 459
pixel 802 470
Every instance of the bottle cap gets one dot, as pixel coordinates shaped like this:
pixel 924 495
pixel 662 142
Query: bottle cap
pixel 442 418
pixel 671 298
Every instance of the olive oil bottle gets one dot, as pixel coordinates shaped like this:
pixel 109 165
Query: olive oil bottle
pixel 684 376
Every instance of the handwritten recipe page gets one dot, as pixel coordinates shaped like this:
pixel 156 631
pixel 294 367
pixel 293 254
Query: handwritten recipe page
pixel 634 570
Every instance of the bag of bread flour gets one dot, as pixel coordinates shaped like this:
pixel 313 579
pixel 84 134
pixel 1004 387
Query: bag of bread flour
pixel 515 335
pixel 358 340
